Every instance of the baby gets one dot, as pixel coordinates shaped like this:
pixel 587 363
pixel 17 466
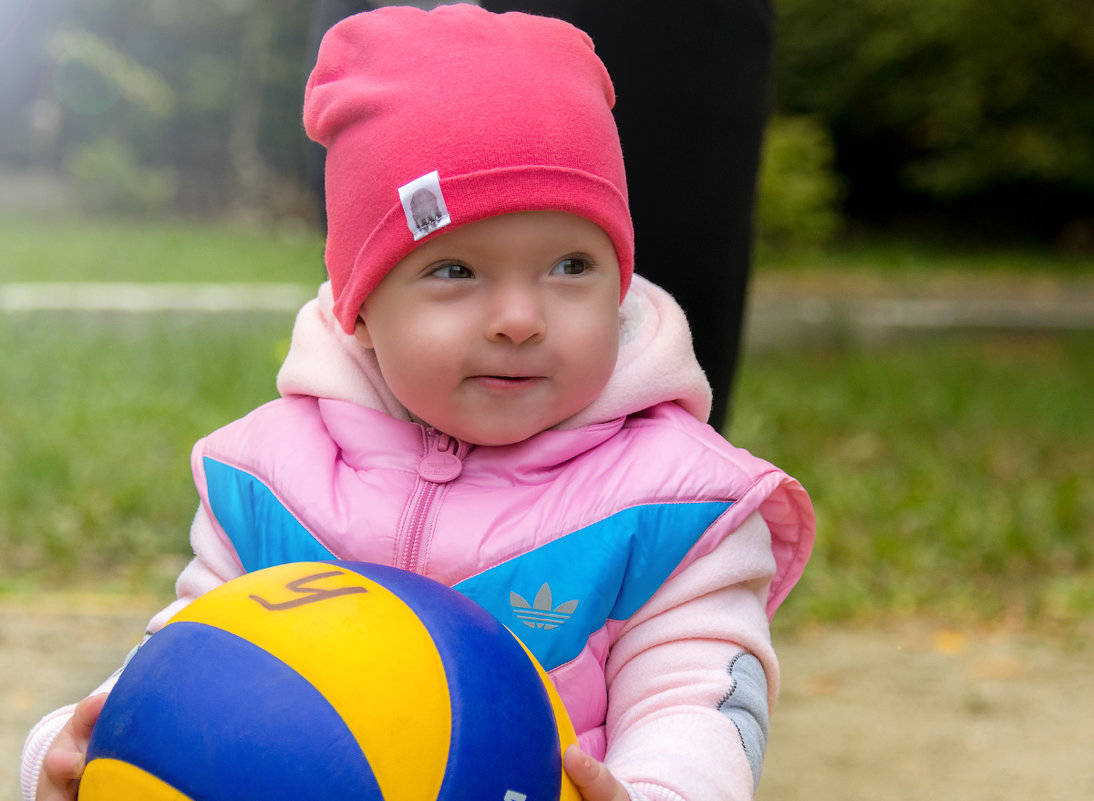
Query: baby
pixel 486 394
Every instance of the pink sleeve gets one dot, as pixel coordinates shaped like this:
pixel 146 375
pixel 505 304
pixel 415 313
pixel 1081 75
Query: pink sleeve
pixel 668 672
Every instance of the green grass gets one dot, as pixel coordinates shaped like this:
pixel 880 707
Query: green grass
pixel 112 250
pixel 951 473
pixel 99 419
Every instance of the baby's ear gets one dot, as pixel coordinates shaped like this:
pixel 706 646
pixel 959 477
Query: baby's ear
pixel 361 334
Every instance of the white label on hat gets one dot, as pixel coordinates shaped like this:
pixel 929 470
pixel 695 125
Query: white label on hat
pixel 424 205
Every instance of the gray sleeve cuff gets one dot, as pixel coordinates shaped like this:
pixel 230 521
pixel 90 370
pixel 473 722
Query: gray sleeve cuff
pixel 746 705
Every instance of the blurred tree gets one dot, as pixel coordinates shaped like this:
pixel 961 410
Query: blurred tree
pixel 977 106
pixel 956 102
pixel 209 92
pixel 799 190
pixel 107 179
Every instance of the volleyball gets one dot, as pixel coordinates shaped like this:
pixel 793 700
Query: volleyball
pixel 331 680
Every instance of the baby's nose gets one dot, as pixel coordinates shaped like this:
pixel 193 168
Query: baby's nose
pixel 517 315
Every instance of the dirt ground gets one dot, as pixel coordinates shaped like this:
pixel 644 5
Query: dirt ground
pixel 911 711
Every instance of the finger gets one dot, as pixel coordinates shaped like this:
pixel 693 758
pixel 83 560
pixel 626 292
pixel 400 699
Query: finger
pixel 64 763
pixel 593 779
pixel 85 716
pixel 61 766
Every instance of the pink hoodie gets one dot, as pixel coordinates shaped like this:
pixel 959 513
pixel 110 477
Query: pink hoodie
pixel 634 550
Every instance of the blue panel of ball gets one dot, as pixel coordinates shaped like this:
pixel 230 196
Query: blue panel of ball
pixel 504 733
pixel 211 757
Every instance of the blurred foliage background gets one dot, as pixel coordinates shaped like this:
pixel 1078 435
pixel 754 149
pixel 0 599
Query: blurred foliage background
pixel 967 117
pixel 153 106
pixel 973 113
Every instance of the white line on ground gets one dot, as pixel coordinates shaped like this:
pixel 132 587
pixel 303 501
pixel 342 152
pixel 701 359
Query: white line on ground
pixel 136 297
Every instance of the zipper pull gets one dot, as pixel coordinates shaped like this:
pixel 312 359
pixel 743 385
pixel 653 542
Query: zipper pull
pixel 441 463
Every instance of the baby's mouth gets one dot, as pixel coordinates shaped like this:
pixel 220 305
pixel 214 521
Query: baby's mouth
pixel 506 380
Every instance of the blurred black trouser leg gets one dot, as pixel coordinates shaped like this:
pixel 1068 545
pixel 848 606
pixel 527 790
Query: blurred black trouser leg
pixel 693 83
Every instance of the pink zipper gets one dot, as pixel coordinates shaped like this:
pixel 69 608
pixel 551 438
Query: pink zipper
pixel 440 464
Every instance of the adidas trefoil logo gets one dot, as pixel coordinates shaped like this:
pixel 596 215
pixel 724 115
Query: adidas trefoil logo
pixel 539 614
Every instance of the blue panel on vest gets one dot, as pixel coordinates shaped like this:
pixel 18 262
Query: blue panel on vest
pixel 556 596
pixel 262 530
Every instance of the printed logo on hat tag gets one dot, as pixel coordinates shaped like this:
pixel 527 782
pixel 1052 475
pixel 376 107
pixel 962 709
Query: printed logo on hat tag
pixel 424 205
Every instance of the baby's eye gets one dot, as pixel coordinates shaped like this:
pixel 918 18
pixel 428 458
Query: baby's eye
pixel 452 271
pixel 573 265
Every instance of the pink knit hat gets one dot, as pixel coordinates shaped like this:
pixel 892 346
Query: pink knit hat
pixel 437 119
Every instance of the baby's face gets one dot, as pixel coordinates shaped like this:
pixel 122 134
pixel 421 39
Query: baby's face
pixel 499 329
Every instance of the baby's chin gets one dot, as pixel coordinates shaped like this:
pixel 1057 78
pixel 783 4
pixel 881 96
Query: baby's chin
pixel 496 436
